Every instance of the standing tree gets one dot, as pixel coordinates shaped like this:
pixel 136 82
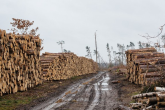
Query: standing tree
pixel 88 52
pixel 115 58
pixel 96 52
pixel 100 59
pixel 132 45
pixel 66 51
pixel 140 45
pixel 154 44
pixel 96 46
pixel 121 52
pixel 148 45
pixel 109 53
pixel 61 43
pixel 163 40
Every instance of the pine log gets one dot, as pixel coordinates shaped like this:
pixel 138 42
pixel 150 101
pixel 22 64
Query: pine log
pixel 162 104
pixel 150 94
pixel 151 74
pixel 142 50
pixel 152 100
pixel 160 97
pixel 159 89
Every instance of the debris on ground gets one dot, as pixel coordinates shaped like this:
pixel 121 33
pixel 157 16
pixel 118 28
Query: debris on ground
pixel 150 100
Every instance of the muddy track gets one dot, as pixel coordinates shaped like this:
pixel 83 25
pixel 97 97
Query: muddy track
pixel 96 93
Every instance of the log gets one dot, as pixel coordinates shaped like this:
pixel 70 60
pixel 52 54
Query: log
pixel 149 108
pixel 152 100
pixel 151 75
pixel 150 94
pixel 136 105
pixel 160 97
pixel 143 101
pixel 59 66
pixel 142 50
pixel 148 55
pixel 155 60
pixel 159 89
pixel 144 66
pixel 19 63
pixel 115 81
pixel 162 104
pixel 144 70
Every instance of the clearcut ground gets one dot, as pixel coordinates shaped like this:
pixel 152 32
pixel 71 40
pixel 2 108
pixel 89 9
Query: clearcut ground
pixel 87 92
pixel 95 93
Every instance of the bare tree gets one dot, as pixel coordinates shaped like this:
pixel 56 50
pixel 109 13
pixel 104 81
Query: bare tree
pixel 96 46
pixel 61 43
pixel 148 37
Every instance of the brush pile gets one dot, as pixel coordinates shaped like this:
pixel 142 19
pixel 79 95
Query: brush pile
pixel 19 62
pixel 150 101
pixel 144 66
pixel 58 66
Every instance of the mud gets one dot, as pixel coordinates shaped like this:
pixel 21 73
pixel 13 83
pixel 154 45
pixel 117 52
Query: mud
pixel 96 93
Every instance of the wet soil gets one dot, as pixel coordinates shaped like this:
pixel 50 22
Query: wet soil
pixel 96 93
pixel 47 90
pixel 125 89
pixel 91 92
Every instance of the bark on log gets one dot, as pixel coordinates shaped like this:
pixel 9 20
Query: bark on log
pixel 152 100
pixel 58 66
pixel 141 61
pixel 20 70
pixel 159 89
pixel 162 104
pixel 150 94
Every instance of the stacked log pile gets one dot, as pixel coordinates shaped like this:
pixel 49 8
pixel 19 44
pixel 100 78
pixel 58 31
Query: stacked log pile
pixel 58 66
pixel 19 62
pixel 150 101
pixel 144 66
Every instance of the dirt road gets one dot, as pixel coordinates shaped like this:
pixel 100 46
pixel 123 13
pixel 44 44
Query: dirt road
pixel 96 93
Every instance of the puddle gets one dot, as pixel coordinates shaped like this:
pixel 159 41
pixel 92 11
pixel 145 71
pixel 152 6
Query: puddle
pixel 72 91
pixel 101 85
pixel 104 84
pixel 106 89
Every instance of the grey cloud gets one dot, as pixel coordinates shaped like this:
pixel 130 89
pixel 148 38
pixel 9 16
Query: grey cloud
pixel 75 21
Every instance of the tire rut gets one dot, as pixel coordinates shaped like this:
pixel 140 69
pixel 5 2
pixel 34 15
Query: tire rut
pixel 93 94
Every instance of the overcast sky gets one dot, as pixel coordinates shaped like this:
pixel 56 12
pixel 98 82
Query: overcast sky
pixel 75 21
